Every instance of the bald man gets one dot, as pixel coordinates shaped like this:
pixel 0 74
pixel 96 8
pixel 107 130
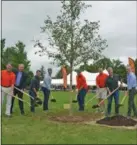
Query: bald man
pixel 20 83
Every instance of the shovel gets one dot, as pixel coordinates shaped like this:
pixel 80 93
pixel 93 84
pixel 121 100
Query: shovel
pixel 52 98
pixel 121 104
pixel 17 98
pixel 98 105
pixel 75 101
pixel 92 98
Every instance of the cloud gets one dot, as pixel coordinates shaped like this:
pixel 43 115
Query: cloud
pixel 22 21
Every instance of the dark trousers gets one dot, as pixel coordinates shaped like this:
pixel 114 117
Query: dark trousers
pixel 81 99
pixel 131 104
pixel 46 93
pixel 21 104
pixel 32 101
pixel 116 98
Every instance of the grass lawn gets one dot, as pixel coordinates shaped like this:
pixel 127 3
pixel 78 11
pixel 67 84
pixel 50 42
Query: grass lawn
pixel 38 129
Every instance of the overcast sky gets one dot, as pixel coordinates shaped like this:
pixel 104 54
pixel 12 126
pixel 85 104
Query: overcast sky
pixel 22 21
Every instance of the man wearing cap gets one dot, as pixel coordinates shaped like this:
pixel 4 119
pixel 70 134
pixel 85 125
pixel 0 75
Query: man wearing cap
pixel 34 88
pixel 7 86
pixel 82 89
pixel 20 85
pixel 46 86
pixel 101 89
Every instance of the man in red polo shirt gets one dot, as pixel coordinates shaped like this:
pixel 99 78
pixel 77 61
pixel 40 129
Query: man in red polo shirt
pixel 101 89
pixel 82 89
pixel 7 86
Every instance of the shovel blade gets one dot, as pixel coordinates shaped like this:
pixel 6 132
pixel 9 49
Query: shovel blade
pixel 74 101
pixel 53 100
pixel 120 105
pixel 95 106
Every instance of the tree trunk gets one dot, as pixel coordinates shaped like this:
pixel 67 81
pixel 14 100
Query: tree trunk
pixel 71 76
pixel 71 63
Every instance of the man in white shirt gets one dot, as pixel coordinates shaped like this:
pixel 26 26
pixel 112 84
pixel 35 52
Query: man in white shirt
pixel 46 86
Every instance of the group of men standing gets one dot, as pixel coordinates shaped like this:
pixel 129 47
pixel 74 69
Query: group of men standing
pixel 13 82
pixel 108 88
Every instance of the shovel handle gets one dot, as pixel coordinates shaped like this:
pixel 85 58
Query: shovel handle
pixel 23 92
pixel 108 96
pixel 16 98
pixel 123 99
pixel 93 97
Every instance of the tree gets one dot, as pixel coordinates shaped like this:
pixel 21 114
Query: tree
pixel 15 55
pixel 20 56
pixel 2 52
pixel 103 63
pixel 70 42
pixel 30 75
pixel 42 72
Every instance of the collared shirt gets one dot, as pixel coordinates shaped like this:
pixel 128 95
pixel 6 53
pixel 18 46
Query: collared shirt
pixel 7 78
pixel 18 79
pixel 131 80
pixel 47 82
pixel 101 80
pixel 35 83
pixel 81 82
pixel 112 82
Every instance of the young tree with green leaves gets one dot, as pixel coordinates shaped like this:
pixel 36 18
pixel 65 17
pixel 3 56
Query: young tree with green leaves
pixel 43 72
pixel 70 41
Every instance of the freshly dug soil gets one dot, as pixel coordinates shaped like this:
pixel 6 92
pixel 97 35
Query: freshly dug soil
pixel 117 121
pixel 74 118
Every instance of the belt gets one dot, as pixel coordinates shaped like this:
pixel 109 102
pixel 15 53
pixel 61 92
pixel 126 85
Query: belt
pixel 6 86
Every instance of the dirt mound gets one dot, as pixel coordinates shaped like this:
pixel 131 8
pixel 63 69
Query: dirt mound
pixel 74 118
pixel 117 121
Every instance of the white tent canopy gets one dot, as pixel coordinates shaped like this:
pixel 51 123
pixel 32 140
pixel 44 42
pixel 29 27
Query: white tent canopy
pixel 90 78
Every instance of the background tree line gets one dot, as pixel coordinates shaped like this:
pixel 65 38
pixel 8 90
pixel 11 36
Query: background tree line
pixel 16 55
pixel 118 67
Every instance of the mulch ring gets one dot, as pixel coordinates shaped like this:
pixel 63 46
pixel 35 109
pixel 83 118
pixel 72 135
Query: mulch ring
pixel 117 121
pixel 75 118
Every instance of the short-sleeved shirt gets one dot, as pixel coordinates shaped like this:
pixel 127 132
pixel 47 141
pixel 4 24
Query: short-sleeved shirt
pixel 7 78
pixel 81 82
pixel 112 82
pixel 101 80
pixel 35 83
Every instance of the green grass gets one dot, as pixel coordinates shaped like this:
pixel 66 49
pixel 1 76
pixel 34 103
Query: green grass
pixel 38 129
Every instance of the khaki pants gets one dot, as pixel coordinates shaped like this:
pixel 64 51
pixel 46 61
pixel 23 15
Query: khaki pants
pixel 8 99
pixel 102 93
